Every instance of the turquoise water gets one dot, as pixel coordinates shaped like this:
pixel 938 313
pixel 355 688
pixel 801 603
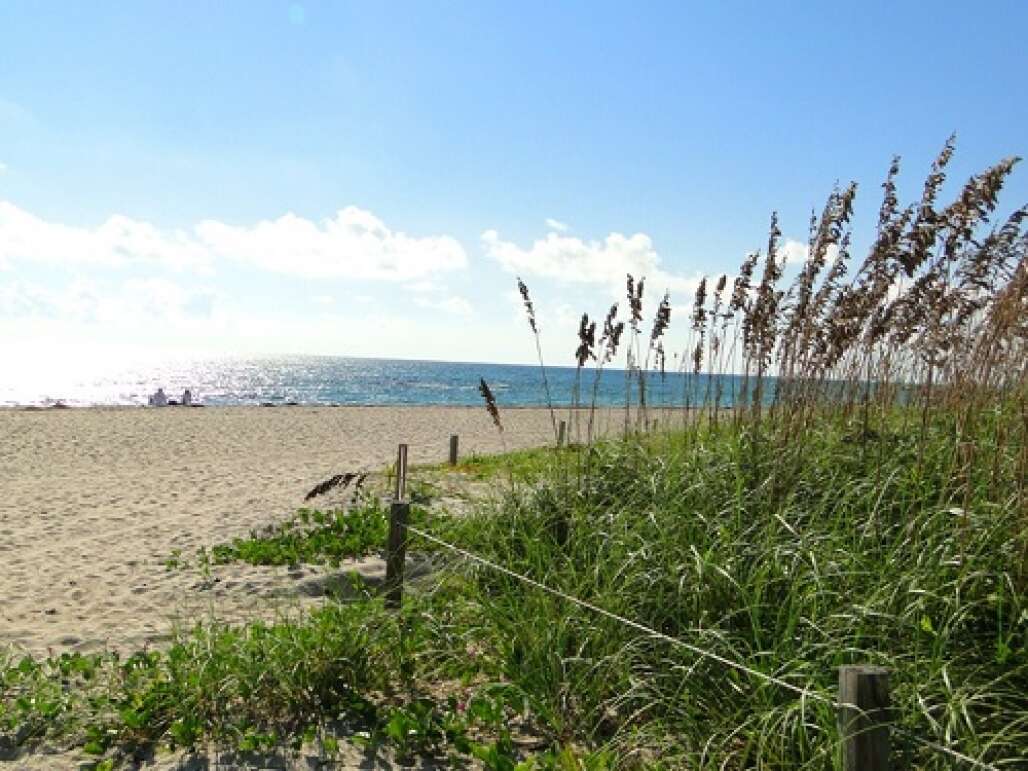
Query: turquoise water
pixel 340 380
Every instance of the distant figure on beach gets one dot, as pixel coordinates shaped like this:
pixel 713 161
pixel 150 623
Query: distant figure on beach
pixel 187 398
pixel 159 399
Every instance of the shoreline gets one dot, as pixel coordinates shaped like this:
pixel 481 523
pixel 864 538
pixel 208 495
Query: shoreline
pixel 36 408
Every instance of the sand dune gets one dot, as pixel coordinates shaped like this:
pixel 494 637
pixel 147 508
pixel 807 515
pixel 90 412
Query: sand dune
pixel 93 501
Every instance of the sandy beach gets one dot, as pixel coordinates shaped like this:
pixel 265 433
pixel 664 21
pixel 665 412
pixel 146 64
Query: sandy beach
pixel 93 501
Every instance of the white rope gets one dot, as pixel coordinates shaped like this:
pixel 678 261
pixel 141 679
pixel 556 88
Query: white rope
pixel 944 749
pixel 628 622
pixel 804 693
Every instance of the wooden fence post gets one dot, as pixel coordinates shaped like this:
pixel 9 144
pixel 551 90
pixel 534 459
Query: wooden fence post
pixel 396 553
pixel 454 440
pixel 562 430
pixel 396 546
pixel 401 473
pixel 864 716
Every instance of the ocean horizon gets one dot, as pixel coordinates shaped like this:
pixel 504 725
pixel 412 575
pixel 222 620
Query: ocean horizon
pixel 344 380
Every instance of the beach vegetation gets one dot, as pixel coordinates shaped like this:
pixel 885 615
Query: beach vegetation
pixel 310 536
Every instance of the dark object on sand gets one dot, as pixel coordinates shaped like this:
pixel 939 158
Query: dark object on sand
pixel 339 480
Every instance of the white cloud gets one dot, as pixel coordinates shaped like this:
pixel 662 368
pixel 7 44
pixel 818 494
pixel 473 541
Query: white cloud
pixel 354 244
pixel 435 296
pixel 795 252
pixel 573 260
pixel 323 299
pixel 18 300
pixel 162 299
pixel 131 304
pixel 557 225
pixel 423 287
pixel 118 241
pixel 3 167
pixel 455 305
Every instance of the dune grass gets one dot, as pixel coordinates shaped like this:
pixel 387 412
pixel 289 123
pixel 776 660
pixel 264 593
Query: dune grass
pixel 794 566
pixel 847 551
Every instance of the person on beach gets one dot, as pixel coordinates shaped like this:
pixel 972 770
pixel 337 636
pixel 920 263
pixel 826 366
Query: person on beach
pixel 159 399
pixel 187 398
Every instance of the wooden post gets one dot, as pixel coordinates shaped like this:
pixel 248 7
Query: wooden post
pixel 454 439
pixel 396 546
pixel 396 553
pixel 401 473
pixel 864 715
pixel 562 430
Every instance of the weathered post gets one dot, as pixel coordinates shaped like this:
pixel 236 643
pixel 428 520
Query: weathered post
pixel 864 716
pixel 396 546
pixel 562 430
pixel 396 553
pixel 401 473
pixel 454 439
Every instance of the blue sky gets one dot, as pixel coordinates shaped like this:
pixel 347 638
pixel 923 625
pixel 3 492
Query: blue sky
pixel 365 178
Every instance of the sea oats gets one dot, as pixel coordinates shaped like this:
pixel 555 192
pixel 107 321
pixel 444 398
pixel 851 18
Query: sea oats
pixel 586 341
pixel 529 308
pixel 661 320
pixel 490 403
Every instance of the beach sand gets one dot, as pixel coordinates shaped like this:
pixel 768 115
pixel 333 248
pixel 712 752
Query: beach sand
pixel 94 501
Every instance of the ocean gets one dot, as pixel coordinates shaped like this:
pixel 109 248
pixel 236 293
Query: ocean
pixel 342 380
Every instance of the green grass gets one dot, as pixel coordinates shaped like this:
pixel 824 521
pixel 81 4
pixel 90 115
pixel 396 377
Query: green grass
pixel 796 559
pixel 343 670
pixel 312 537
pixel 793 555
pixel 519 465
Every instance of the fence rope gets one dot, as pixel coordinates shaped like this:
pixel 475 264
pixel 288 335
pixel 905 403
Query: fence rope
pixel 802 692
pixel 944 749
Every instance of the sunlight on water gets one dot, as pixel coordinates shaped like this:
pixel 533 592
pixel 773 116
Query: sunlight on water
pixel 123 377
